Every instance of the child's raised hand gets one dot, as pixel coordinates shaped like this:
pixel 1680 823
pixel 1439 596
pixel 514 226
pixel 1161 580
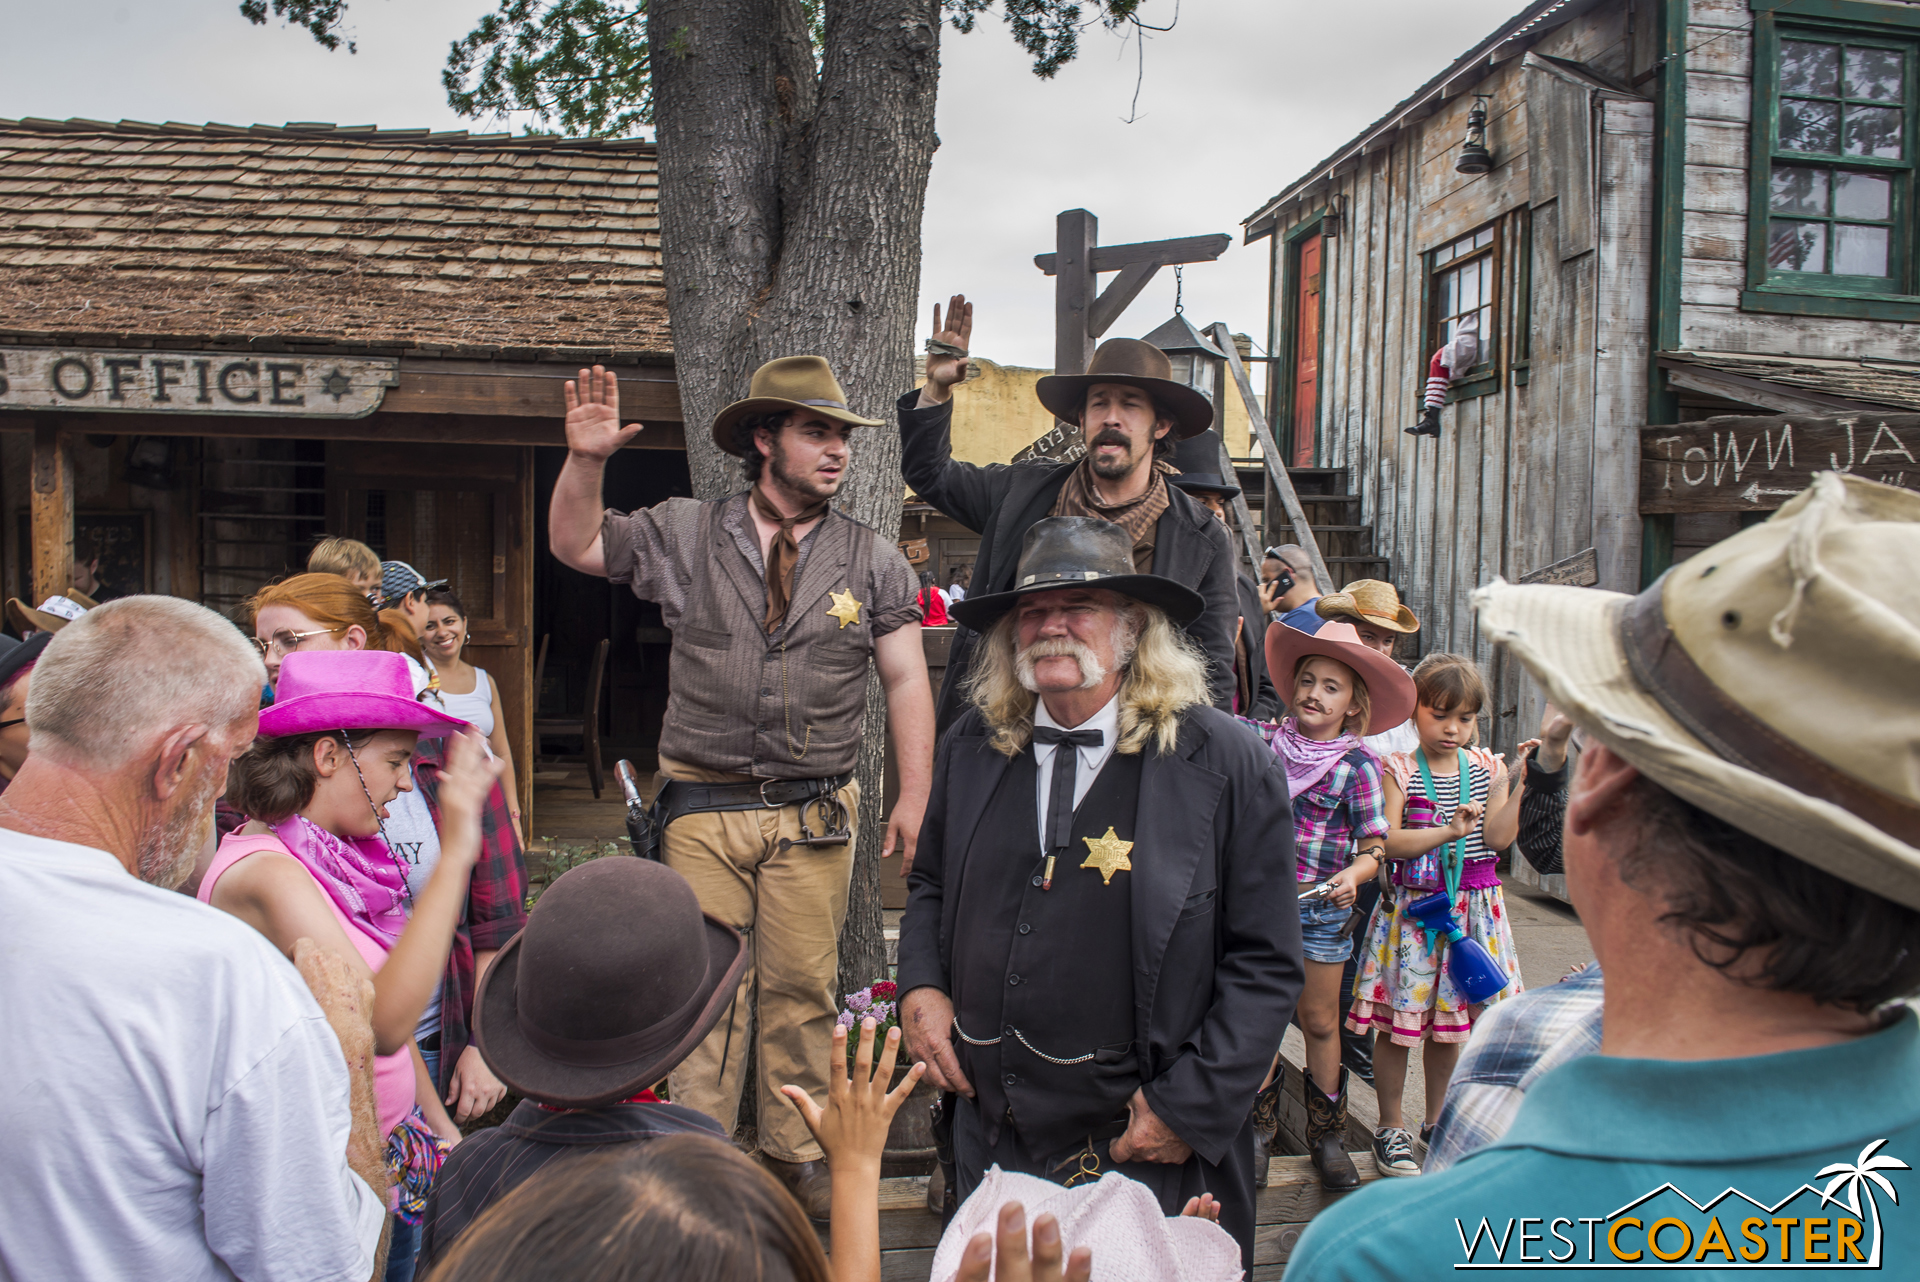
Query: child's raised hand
pixel 1518 769
pixel 1465 819
pixel 852 1128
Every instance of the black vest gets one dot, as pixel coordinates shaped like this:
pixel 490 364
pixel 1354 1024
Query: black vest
pixel 1048 973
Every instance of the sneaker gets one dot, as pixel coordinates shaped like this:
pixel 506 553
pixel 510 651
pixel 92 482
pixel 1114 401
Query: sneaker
pixel 1426 1133
pixel 1393 1152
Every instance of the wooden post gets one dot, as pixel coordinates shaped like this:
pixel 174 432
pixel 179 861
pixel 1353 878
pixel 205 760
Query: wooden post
pixel 1075 235
pixel 1240 511
pixel 1275 461
pixel 52 511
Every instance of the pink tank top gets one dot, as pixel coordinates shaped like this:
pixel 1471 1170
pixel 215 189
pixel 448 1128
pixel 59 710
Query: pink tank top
pixel 393 1081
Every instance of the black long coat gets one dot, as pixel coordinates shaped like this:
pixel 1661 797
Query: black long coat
pixel 1216 930
pixel 1001 500
pixel 1267 703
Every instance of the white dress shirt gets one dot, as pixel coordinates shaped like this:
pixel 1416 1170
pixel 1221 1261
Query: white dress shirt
pixel 1087 769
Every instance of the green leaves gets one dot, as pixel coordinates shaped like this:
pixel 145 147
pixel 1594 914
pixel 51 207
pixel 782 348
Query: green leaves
pixel 577 65
pixel 581 66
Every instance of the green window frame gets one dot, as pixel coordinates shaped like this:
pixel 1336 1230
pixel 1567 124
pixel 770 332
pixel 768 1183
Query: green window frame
pixel 1464 275
pixel 1836 130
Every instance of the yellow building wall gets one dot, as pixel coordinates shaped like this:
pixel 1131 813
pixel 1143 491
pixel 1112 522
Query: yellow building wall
pixel 996 415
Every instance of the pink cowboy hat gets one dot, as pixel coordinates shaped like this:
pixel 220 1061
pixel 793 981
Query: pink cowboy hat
pixel 1389 688
pixel 349 690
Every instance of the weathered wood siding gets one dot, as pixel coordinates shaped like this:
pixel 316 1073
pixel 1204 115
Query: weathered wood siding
pixel 1545 466
pixel 1719 44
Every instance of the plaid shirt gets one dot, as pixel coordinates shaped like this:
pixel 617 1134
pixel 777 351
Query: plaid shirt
pixel 1347 804
pixel 1513 1044
pixel 495 910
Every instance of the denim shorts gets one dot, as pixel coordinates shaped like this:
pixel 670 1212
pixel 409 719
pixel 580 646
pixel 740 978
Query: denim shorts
pixel 1320 924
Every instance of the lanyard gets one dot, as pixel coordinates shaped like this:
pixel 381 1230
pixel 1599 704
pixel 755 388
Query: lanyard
pixel 1453 853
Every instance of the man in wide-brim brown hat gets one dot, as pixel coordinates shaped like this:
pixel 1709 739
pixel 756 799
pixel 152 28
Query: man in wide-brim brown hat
pixel 1742 842
pixel 614 980
pixel 1131 412
pixel 777 602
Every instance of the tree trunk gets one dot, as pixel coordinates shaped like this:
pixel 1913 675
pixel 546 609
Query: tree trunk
pixel 790 210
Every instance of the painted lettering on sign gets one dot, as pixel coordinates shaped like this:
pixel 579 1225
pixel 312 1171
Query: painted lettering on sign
pixel 193 382
pixel 1749 464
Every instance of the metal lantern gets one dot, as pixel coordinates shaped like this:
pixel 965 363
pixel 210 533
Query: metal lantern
pixel 1197 361
pixel 1474 156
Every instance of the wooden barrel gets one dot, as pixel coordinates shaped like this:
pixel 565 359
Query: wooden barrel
pixel 909 1148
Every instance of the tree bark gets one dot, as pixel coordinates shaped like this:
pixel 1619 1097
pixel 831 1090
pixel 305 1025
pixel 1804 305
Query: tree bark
pixel 790 210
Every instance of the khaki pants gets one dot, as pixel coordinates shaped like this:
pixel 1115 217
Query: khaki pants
pixel 790 905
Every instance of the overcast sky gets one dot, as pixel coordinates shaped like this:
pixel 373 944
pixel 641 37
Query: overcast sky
pixel 1236 102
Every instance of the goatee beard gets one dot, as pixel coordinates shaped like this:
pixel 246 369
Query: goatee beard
pixel 1111 469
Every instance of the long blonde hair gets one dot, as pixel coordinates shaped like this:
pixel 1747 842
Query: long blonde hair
pixel 1165 674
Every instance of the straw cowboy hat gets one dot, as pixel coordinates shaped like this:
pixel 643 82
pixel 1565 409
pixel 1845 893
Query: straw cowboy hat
pixel 55 612
pixel 1136 364
pixel 348 690
pixel 1773 680
pixel 1390 692
pixel 1080 552
pixel 616 977
pixel 791 383
pixel 1369 601
pixel 1116 1218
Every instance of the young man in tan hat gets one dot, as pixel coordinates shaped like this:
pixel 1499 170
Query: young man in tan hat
pixel 1742 842
pixel 1131 412
pixel 776 601
pixel 1374 609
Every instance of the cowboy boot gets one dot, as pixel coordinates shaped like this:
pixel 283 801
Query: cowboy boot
pixel 1327 1136
pixel 1356 1053
pixel 1266 1120
pixel 1429 424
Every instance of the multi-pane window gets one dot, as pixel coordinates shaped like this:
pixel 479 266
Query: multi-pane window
pixel 1838 184
pixel 1463 286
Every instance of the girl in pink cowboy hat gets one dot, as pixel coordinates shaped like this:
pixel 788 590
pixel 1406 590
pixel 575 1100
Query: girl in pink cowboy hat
pixel 311 863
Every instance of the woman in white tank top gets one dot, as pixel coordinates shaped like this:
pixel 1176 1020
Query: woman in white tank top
pixel 466 691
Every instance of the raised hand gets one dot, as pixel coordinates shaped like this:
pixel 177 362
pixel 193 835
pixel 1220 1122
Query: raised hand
pixel 1016 1263
pixel 1518 770
pixel 852 1128
pixel 465 780
pixel 945 369
pixel 593 414
pixel 1556 727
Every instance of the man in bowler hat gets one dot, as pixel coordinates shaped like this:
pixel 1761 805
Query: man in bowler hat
pixel 1131 413
pixel 1091 958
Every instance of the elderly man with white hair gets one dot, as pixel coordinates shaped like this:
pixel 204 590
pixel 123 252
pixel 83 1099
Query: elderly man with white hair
pixel 177 1102
pixel 1099 951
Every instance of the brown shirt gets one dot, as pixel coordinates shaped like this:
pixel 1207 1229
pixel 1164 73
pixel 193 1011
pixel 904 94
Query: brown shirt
pixel 785 706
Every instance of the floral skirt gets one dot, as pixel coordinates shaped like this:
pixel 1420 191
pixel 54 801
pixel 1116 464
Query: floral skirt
pixel 1402 990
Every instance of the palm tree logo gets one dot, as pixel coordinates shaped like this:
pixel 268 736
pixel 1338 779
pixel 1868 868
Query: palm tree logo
pixel 1858 1176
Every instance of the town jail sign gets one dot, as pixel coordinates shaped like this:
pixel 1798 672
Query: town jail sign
pixel 269 384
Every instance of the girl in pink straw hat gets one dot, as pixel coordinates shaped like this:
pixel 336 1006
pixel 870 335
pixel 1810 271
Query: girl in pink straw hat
pixel 311 863
pixel 1338 689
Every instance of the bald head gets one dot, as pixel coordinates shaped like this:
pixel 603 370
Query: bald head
pixel 122 677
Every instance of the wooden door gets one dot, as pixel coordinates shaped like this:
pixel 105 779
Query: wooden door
pixel 463 513
pixel 1305 414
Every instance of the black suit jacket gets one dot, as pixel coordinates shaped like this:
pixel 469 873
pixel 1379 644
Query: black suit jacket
pixel 1266 698
pixel 999 502
pixel 1216 928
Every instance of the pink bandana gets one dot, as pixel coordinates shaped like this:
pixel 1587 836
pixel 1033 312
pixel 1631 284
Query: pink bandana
pixel 1308 760
pixel 361 875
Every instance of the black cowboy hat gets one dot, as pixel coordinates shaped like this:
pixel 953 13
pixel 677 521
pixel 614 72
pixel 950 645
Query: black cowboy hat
pixel 615 979
pixel 1198 458
pixel 15 655
pixel 1136 364
pixel 1080 552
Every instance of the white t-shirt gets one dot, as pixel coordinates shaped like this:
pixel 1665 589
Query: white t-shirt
pixel 175 1103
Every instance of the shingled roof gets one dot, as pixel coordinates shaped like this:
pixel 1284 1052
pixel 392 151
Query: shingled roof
pixel 326 237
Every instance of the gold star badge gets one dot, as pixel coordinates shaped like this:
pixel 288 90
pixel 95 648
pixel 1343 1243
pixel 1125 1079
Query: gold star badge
pixel 844 608
pixel 1109 855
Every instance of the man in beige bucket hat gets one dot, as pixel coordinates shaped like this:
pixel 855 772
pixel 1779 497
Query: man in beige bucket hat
pixel 1742 842
pixel 777 602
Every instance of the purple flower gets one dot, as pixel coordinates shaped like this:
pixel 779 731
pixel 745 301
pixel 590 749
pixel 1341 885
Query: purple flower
pixel 859 1002
pixel 846 1019
pixel 881 1013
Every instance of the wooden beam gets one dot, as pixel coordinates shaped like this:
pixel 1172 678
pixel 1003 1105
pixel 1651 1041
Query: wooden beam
pixel 1764 393
pixel 52 510
pixel 381 425
pixel 1581 570
pixel 1271 455
pixel 1114 298
pixel 1162 253
pixel 525 390
pixel 1076 232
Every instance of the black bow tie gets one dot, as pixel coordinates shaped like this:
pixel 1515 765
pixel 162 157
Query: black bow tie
pixel 1066 760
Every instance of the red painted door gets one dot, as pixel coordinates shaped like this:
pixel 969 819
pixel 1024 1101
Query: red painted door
pixel 1306 351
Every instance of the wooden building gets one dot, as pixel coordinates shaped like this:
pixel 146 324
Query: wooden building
pixel 1690 208
pixel 219 343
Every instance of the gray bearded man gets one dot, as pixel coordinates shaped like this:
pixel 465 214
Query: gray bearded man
pixel 1098 954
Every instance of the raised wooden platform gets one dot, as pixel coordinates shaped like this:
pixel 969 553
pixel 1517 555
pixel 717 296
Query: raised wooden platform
pixel 909 1232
